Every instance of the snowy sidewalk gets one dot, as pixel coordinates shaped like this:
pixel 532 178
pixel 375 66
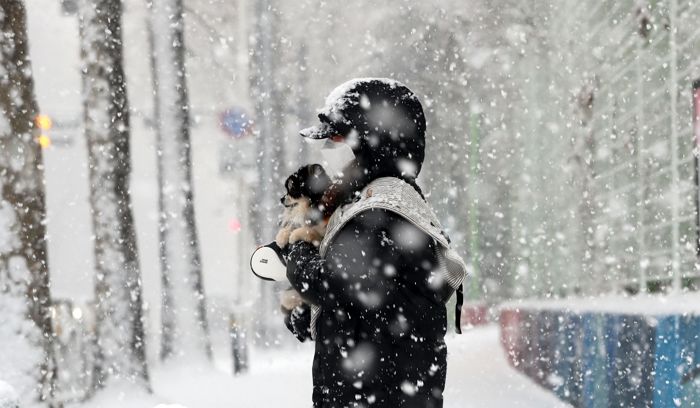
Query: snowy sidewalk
pixel 478 377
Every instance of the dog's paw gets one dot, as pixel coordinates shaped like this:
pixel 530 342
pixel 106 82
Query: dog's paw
pixel 282 238
pixel 307 234
pixel 289 299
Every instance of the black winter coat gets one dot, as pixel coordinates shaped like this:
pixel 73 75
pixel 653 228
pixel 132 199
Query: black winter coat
pixel 380 336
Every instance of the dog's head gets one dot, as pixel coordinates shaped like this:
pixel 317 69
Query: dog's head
pixel 305 188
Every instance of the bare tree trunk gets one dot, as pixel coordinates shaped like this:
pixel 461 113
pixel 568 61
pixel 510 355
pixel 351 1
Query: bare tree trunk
pixel 120 330
pixel 271 164
pixel 304 112
pixel 584 152
pixel 26 351
pixel 184 325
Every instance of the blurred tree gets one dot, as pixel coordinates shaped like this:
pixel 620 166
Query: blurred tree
pixel 266 90
pixel 458 61
pixel 184 323
pixel 26 335
pixel 120 331
pixel 303 112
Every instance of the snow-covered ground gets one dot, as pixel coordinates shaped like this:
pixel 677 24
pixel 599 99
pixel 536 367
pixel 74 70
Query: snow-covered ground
pixel 478 376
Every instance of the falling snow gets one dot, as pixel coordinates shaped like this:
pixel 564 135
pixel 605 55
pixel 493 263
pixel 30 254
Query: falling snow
pixel 144 147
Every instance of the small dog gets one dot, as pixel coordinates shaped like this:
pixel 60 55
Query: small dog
pixel 302 219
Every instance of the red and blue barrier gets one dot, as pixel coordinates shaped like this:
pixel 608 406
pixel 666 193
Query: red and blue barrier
pixel 600 360
pixel 474 314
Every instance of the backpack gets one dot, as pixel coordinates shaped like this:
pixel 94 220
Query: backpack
pixel 396 195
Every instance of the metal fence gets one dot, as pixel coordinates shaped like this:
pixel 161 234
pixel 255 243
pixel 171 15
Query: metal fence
pixel 637 61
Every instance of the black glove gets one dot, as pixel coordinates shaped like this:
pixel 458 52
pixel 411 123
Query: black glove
pixel 298 321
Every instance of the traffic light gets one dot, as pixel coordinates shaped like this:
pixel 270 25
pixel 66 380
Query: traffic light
pixel 44 141
pixel 235 225
pixel 44 123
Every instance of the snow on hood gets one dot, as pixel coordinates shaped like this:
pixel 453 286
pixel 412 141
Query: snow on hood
pixel 339 99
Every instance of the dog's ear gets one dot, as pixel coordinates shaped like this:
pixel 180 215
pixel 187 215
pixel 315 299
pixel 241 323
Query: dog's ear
pixel 317 183
pixel 293 186
pixel 297 183
pixel 316 170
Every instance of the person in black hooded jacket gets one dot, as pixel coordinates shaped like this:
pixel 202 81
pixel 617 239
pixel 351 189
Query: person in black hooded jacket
pixel 380 333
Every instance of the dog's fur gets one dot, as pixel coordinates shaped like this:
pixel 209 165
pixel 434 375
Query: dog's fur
pixel 302 219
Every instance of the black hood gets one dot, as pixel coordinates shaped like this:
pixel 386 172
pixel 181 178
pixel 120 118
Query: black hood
pixel 382 121
pixel 384 124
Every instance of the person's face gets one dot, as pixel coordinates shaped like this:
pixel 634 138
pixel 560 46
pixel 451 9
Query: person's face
pixel 336 153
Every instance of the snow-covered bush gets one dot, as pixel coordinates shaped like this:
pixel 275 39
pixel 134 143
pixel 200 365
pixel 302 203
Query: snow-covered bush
pixel 8 396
